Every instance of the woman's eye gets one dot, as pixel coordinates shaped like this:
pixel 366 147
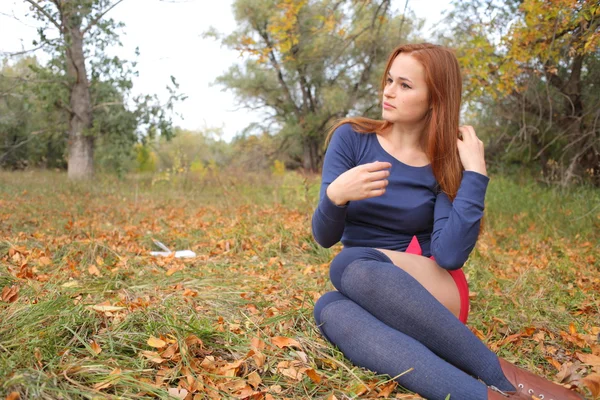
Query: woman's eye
pixel 389 80
pixel 404 86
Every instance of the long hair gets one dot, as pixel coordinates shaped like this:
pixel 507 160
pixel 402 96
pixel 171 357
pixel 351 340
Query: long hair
pixel 444 81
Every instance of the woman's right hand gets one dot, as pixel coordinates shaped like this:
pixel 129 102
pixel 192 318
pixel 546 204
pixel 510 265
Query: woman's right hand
pixel 361 182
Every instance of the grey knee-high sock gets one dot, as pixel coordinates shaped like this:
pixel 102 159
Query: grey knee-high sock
pixel 398 300
pixel 370 343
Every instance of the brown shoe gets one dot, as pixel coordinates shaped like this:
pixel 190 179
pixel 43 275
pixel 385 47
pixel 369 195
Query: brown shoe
pixel 495 394
pixel 530 384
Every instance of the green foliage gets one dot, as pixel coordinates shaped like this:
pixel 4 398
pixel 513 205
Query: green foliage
pixel 531 81
pixel 32 129
pixel 309 63
pixel 278 168
pixel 146 159
pixel 117 121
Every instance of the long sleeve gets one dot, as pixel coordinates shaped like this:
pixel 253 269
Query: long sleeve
pixel 328 219
pixel 456 224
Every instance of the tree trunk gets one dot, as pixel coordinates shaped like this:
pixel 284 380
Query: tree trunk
pixel 81 143
pixel 311 157
pixel 573 121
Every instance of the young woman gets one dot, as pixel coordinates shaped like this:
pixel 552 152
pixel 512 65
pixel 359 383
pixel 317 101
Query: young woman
pixel 405 195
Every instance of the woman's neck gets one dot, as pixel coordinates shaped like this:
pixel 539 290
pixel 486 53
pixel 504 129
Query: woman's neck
pixel 406 137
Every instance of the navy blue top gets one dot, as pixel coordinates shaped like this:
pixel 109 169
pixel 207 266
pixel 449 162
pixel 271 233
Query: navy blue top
pixel 412 205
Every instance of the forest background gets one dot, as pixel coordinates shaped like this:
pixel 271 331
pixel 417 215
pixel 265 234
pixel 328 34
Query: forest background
pixel 91 171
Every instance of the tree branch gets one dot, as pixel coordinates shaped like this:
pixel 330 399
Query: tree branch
pixel 95 20
pixel 45 13
pixel 277 67
pixel 109 103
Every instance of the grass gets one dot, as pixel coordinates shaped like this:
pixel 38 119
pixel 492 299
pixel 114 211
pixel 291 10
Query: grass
pixel 74 249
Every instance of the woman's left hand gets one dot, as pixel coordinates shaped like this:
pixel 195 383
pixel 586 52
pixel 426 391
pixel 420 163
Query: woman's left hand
pixel 470 150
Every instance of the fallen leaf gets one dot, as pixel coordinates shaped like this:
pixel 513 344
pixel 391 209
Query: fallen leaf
pixel 156 342
pixel 93 270
pixel 256 343
pixel 95 347
pixel 566 370
pixel 179 393
pixel 153 356
pixel 387 389
pixel 291 370
pixel 10 295
pixel 312 374
pixel 593 383
pixel 254 379
pixel 102 308
pixel 13 396
pixel 282 342
pixel 259 358
pixel 244 392
pixel 589 359
pixel 170 351
pixel 38 356
pixel 276 389
pixel 110 381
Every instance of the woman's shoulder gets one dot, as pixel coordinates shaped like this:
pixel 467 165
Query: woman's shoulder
pixel 348 135
pixel 346 131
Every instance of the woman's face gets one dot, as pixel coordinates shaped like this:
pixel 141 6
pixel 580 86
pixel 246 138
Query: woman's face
pixel 405 96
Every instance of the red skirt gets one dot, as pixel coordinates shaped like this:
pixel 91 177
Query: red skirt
pixel 459 278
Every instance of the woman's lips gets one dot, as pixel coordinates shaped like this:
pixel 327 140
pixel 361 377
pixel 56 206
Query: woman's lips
pixel 388 106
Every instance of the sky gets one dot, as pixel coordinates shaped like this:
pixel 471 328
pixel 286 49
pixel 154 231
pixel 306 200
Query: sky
pixel 168 34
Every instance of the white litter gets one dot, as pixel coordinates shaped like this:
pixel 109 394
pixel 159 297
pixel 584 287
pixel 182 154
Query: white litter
pixel 167 252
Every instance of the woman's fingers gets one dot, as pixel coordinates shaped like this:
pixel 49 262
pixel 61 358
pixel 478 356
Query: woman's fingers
pixel 376 185
pixel 468 133
pixel 471 150
pixel 377 166
pixel 378 175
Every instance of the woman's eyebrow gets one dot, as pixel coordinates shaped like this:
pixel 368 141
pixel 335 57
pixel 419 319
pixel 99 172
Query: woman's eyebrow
pixel 401 78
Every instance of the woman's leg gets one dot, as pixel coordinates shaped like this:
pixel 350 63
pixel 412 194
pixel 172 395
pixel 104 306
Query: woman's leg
pixel 370 279
pixel 370 343
pixel 438 281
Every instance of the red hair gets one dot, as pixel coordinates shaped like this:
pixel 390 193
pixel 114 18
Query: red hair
pixel 444 81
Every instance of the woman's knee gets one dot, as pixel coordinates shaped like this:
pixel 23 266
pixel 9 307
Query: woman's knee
pixel 324 301
pixel 347 256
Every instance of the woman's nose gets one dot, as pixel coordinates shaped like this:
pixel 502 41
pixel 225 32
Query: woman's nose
pixel 387 91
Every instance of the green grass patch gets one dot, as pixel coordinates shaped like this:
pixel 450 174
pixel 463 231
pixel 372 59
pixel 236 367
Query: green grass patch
pixel 90 296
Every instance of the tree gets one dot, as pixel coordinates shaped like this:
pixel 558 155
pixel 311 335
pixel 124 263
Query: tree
pixel 94 81
pixel 308 63
pixel 532 65
pixel 31 129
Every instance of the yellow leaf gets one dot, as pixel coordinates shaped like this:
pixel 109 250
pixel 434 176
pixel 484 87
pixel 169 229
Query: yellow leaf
pixel 572 329
pixel 93 270
pixel 312 374
pixel 257 344
pixel 593 383
pixel 95 347
pixel 10 294
pixel 153 356
pixel 282 342
pixel 156 342
pixel 254 379
pixel 102 308
pixel 45 261
pixel 387 389
pixel 589 359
